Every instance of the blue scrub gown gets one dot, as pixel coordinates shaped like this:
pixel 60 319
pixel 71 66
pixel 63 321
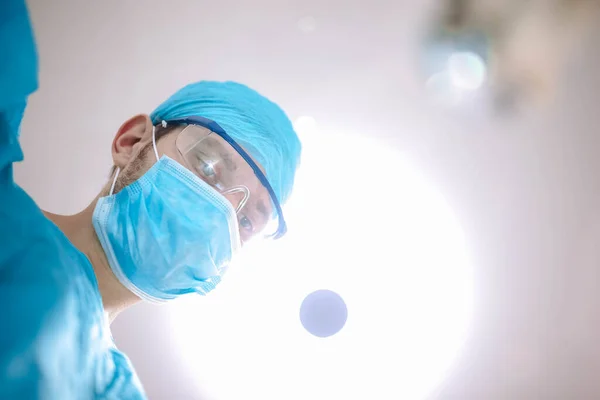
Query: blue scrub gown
pixel 55 342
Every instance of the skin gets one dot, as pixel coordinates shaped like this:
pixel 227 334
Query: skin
pixel 133 154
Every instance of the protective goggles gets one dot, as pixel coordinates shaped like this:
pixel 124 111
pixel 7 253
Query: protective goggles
pixel 211 154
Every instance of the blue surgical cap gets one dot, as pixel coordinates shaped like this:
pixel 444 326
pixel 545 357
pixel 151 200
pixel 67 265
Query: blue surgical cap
pixel 253 121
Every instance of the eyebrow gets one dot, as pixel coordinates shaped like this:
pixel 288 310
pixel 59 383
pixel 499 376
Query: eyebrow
pixel 229 164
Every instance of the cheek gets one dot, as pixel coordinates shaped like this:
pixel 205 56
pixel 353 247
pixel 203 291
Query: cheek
pixel 136 168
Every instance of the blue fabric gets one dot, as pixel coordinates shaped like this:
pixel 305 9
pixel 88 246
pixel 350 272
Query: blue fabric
pixel 253 121
pixel 54 341
pixel 18 69
pixel 168 233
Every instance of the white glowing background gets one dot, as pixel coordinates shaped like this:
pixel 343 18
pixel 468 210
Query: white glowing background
pixel 364 224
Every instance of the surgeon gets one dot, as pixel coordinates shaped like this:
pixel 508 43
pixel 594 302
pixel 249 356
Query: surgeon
pixel 192 182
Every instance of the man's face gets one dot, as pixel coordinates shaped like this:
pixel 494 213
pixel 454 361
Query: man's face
pixel 231 168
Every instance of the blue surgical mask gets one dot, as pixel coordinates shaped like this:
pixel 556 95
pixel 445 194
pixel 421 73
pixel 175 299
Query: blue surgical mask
pixel 168 233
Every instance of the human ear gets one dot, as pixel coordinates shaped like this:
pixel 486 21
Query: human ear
pixel 130 138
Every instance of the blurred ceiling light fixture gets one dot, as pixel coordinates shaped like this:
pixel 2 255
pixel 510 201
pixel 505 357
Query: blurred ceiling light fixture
pixel 467 70
pixel 524 45
pixel 365 227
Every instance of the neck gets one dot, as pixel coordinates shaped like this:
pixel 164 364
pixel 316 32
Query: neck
pixel 79 230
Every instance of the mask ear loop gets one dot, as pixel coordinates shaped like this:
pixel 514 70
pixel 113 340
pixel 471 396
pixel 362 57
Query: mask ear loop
pixel 112 187
pixel 164 125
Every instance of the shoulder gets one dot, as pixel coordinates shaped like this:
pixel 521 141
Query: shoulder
pixel 33 249
pixel 59 341
pixel 50 301
pixel 38 264
pixel 122 382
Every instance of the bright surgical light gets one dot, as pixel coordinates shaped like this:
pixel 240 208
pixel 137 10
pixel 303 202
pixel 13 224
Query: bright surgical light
pixel 467 70
pixel 443 90
pixel 305 125
pixel 365 225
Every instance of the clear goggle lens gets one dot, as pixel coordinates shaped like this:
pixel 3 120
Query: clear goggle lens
pixel 217 163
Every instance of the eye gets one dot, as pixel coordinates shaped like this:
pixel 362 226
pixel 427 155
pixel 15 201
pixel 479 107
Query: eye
pixel 208 170
pixel 246 224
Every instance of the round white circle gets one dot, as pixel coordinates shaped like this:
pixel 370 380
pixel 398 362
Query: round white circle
pixel 467 70
pixel 362 223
